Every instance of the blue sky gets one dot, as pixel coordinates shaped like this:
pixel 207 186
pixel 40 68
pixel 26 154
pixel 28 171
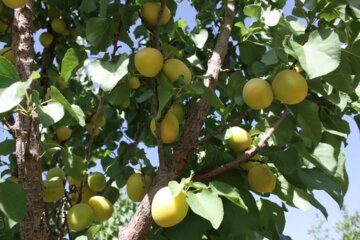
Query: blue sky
pixel 297 222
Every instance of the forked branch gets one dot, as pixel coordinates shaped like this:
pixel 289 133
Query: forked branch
pixel 247 154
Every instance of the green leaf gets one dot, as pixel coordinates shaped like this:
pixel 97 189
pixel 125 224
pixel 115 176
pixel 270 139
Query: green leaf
pixel 252 10
pixel 201 203
pixel 100 32
pixel 325 155
pixel 112 194
pixel 165 92
pixel 88 6
pixel 74 110
pixel 13 94
pixel 72 61
pixel 229 192
pixel 211 97
pixel 119 94
pixel 50 113
pixel 200 38
pixel 271 215
pixel 8 74
pixel 314 178
pixel 271 17
pixel 108 74
pixel 12 200
pixel 7 147
pixel 74 165
pixel 307 115
pixel 270 57
pixel 176 187
pixel 192 227
pixel 322 49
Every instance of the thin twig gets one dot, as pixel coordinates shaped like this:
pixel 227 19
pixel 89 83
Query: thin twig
pixel 94 126
pixel 248 154
pixel 224 127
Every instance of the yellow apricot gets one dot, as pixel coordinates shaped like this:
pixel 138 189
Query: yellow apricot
pixel 54 189
pixel 80 216
pixel 150 12
pixel 137 186
pixel 174 68
pixel 167 210
pixel 149 62
pixel 179 111
pixel 15 3
pixel 239 140
pixel 56 172
pixel 258 94
pixel 261 179
pixel 169 127
pixel 290 87
pixel 102 208
pixel 96 181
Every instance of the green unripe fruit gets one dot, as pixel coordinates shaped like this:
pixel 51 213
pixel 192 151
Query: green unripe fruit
pixel 179 111
pixel 58 25
pixel 134 83
pixel 46 39
pixel 63 133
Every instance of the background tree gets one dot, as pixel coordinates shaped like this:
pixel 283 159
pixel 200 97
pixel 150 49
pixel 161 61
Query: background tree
pixel 247 104
pixel 348 227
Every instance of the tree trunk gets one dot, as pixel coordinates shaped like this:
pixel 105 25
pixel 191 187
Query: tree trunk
pixel 34 225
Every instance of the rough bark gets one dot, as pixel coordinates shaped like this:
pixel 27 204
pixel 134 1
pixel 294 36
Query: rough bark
pixel 34 225
pixel 141 222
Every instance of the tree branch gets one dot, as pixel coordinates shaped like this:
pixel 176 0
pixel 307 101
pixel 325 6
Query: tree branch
pixel 141 222
pixel 224 127
pixel 248 154
pixel 155 44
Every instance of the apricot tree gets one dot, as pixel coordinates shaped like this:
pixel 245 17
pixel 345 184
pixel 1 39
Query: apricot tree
pixel 245 103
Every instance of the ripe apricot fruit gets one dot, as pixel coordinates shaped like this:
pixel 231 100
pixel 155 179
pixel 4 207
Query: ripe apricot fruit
pixel 137 186
pixel 257 94
pixel 261 179
pixel 102 208
pixel 96 181
pixel 174 68
pixel 54 189
pixel 56 172
pixel 167 210
pixel 15 3
pixel 169 128
pixel 239 140
pixel 289 87
pixel 179 111
pixel 149 62
pixel 80 216
pixel 150 12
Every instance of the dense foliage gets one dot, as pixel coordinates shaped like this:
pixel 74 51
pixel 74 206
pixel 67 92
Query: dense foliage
pixel 94 112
